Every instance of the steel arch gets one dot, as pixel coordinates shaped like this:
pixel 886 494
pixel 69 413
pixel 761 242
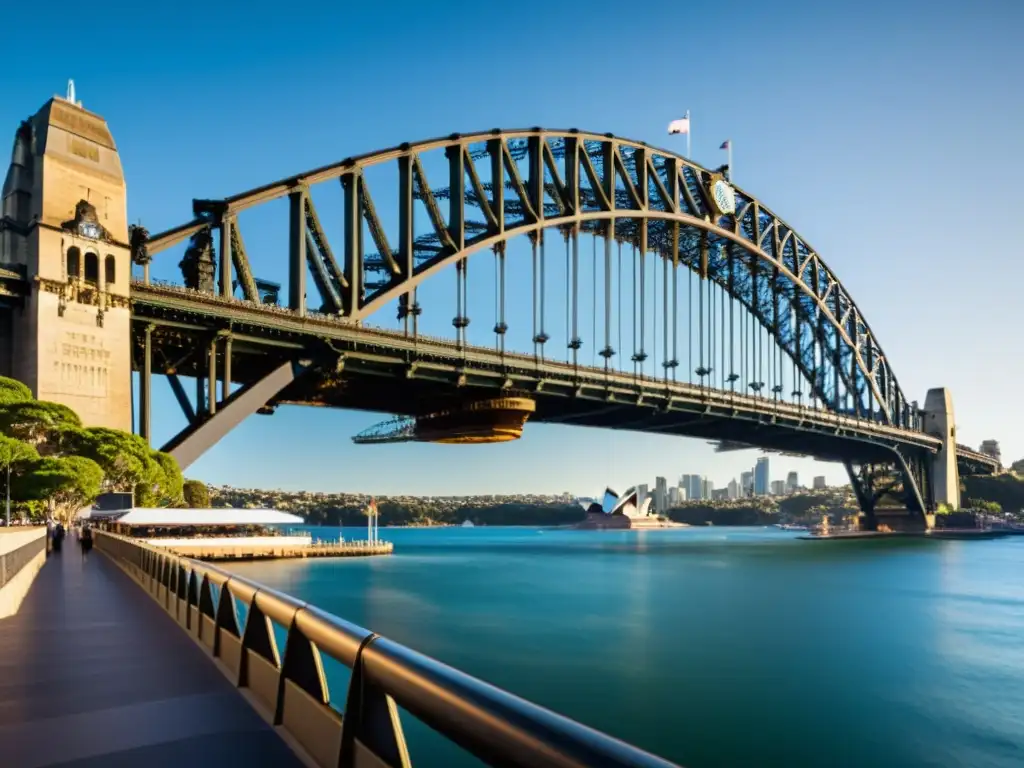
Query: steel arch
pixel 572 180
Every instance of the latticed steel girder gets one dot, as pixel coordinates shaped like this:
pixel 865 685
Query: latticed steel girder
pixel 503 184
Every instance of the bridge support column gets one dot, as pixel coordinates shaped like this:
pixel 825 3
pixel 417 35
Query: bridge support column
pixel 146 386
pixel 939 422
pixel 189 444
pixel 211 377
pixel 225 385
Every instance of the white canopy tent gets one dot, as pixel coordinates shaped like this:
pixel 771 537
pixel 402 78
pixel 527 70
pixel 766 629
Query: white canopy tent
pixel 165 518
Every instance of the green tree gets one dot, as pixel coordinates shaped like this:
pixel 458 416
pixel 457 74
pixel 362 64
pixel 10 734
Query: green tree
pixel 163 486
pixel 13 391
pixel 37 421
pixel 197 495
pixel 125 459
pixel 68 484
pixel 13 454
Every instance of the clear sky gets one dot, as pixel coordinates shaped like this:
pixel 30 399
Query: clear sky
pixel 887 133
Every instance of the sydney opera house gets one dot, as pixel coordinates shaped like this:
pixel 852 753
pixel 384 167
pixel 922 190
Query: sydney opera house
pixel 620 512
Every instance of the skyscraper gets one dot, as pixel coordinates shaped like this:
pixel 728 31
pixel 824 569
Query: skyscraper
pixel 733 489
pixel 819 483
pixel 746 484
pixel 792 482
pixel 694 487
pixel 761 477
pixel 660 495
pixel 707 488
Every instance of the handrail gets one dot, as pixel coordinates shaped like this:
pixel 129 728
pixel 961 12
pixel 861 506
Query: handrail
pixel 292 691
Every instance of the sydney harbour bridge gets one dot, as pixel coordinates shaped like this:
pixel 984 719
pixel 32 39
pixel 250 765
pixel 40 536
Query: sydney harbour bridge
pixel 620 286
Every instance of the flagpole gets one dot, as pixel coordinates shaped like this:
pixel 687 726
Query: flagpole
pixel 689 130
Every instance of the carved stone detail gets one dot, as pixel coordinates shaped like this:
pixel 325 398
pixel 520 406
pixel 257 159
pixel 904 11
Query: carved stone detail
pixel 86 223
pixel 197 266
pixel 73 292
pixel 138 237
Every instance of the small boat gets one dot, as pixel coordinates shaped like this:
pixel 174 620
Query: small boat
pixel 468 524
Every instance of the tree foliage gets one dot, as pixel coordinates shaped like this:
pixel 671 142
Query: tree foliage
pixel 163 486
pixel 197 495
pixel 15 452
pixel 62 466
pixel 68 484
pixel 125 459
pixel 1018 467
pixel 37 422
pixel 13 391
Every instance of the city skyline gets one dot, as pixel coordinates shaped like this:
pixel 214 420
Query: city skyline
pixel 819 168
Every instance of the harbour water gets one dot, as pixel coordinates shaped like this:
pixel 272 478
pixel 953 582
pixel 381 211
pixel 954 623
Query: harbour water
pixel 710 646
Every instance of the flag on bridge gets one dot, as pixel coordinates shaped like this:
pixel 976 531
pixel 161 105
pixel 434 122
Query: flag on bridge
pixel 682 125
pixel 725 144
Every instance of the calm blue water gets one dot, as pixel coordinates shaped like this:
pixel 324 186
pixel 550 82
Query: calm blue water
pixel 711 647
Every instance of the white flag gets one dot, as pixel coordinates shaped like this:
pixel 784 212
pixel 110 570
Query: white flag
pixel 680 126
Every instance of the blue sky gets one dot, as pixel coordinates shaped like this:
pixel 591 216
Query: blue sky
pixel 886 133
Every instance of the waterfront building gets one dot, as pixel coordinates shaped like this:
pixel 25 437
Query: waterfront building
pixel 761 486
pixel 248 532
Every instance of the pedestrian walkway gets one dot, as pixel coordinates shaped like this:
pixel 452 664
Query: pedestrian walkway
pixel 93 673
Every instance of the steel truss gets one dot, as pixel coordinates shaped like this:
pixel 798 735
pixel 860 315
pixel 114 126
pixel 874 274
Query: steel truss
pixel 216 409
pixel 904 480
pixel 503 184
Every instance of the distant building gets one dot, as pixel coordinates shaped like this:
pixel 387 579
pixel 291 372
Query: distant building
pixel 819 483
pixel 792 482
pixel 720 494
pixel 746 484
pixel 660 496
pixel 673 495
pixel 733 489
pixel 684 493
pixel 641 495
pixel 707 488
pixel 778 487
pixel 694 485
pixel 991 448
pixel 761 486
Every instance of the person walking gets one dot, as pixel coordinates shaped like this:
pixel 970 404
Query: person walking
pixel 85 539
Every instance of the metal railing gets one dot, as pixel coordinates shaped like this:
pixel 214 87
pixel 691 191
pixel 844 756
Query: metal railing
pixel 12 562
pixel 292 693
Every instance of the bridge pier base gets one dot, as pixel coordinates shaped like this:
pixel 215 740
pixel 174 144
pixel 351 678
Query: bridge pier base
pixel 891 496
pixel 939 422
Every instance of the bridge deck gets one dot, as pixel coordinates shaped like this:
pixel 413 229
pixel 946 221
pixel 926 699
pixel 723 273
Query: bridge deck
pixel 93 673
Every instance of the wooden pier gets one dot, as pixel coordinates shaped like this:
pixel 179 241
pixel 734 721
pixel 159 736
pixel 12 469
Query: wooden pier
pixel 287 551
